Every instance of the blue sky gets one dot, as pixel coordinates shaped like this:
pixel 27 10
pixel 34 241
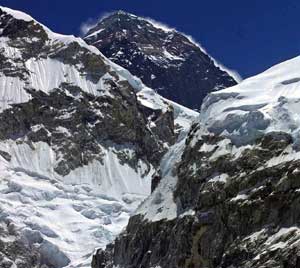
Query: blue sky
pixel 247 36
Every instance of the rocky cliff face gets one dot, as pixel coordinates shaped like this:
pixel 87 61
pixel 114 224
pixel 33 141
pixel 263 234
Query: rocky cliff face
pixel 232 197
pixel 80 139
pixel 164 59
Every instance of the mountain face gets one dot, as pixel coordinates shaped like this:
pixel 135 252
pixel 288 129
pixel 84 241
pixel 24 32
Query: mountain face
pixel 80 139
pixel 229 194
pixel 162 58
pixel 83 143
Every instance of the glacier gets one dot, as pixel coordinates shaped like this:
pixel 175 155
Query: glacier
pixel 68 216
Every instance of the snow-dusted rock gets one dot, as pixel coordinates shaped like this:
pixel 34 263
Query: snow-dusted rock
pixel 78 147
pixel 166 60
pixel 232 197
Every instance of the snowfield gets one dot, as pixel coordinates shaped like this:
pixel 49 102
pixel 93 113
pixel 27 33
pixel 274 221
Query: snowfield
pixel 70 216
pixel 260 104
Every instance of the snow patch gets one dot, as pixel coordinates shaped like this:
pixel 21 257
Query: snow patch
pixel 239 197
pixel 160 204
pixel 219 178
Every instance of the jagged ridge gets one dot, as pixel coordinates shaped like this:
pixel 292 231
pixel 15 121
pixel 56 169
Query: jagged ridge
pixel 163 58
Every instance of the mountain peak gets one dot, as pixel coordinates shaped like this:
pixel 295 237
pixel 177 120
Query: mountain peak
pixel 16 14
pixel 79 134
pixel 122 13
pixel 163 58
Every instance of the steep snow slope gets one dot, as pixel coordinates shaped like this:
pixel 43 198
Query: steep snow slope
pixel 67 220
pixel 47 74
pixel 80 139
pixel 230 194
pixel 160 205
pixel 263 103
pixel 183 117
pixel 241 114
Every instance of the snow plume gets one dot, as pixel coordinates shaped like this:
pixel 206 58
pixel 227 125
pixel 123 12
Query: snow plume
pixel 167 28
pixel 159 25
pixel 92 22
pixel 87 25
pixel 237 77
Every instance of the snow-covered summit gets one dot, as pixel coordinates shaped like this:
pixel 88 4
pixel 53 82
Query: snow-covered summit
pixel 50 69
pixel 19 15
pixel 263 103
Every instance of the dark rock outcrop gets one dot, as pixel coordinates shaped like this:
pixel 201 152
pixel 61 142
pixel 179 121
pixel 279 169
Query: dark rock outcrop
pixel 15 251
pixel 165 60
pixel 90 120
pixel 245 211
